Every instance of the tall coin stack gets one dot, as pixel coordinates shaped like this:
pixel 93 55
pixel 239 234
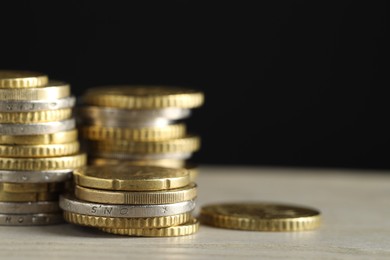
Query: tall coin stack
pixel 137 124
pixel 132 139
pixel 38 147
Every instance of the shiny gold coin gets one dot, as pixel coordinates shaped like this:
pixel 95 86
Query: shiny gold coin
pixel 35 116
pixel 27 196
pixel 169 163
pixel 150 134
pixel 22 79
pixel 54 90
pixel 129 177
pixel 42 164
pixel 182 230
pixel 260 217
pixel 187 144
pixel 10 187
pixel 143 97
pixel 137 197
pixel 37 151
pixel 56 138
pixel 110 222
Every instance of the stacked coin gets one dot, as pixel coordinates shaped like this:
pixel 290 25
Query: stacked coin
pixel 132 200
pixel 38 147
pixel 137 124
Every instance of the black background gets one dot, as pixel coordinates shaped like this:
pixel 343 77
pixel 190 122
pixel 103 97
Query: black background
pixel 286 82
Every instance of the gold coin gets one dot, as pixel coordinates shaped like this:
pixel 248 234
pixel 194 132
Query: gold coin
pixel 136 197
pixel 42 164
pixel 150 134
pixel 167 163
pixel 182 230
pixel 110 222
pixel 260 217
pixel 27 196
pixel 54 90
pixel 181 145
pixel 10 187
pixel 143 97
pixel 22 79
pixel 55 138
pixel 44 150
pixel 35 116
pixel 129 177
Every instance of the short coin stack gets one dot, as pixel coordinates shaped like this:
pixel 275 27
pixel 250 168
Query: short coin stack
pixel 133 200
pixel 137 124
pixel 38 147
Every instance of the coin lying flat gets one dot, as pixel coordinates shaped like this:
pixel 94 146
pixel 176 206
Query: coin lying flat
pixel 35 176
pixel 43 164
pixel 37 128
pixel 69 203
pixel 54 90
pixel 141 157
pixel 54 138
pixel 182 230
pixel 110 222
pixel 187 144
pixel 11 187
pixel 260 217
pixel 22 79
pixel 149 134
pixel 35 116
pixel 29 207
pixel 31 219
pixel 143 97
pixel 137 197
pixel 36 105
pixel 27 196
pixel 129 177
pixel 44 150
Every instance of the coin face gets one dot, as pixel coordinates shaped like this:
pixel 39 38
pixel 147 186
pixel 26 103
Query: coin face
pixel 260 217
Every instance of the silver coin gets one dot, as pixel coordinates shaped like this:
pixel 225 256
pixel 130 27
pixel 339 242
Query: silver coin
pixel 70 203
pixel 35 176
pixel 36 105
pixel 31 219
pixel 38 128
pixel 29 207
pixel 124 156
pixel 93 112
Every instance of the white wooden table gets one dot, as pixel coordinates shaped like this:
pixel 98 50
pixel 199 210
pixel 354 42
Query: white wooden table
pixel 355 208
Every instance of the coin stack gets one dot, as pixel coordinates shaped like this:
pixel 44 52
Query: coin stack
pixel 38 147
pixel 133 200
pixel 137 124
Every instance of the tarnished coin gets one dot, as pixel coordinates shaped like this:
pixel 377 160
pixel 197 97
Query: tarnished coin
pixel 22 79
pixel 143 97
pixel 260 217
pixel 188 228
pixel 29 207
pixel 27 196
pixel 31 219
pixel 137 197
pixel 129 177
